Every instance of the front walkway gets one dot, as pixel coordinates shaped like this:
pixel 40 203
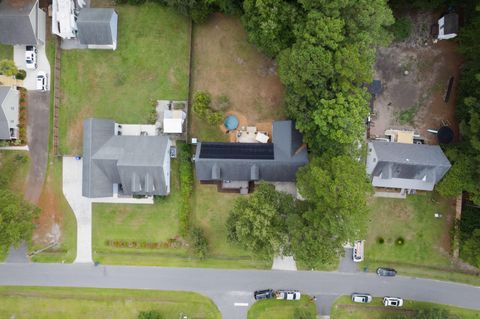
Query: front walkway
pixel 82 206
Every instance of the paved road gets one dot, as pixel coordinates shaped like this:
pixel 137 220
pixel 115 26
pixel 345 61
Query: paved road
pixel 227 287
pixel 37 134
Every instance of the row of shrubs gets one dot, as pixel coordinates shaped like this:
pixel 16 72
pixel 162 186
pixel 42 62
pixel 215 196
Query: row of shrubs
pixel 170 243
pixel 196 235
pixel 399 241
pixel 201 105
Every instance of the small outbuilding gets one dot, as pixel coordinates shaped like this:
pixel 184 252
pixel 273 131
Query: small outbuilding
pixel 97 28
pixel 448 26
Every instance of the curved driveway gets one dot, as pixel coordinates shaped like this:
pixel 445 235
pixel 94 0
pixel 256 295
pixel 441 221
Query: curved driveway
pixel 230 287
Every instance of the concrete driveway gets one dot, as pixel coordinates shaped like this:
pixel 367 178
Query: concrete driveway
pixel 37 135
pixel 42 65
pixel 232 290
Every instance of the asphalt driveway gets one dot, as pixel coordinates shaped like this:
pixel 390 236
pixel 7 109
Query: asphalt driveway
pixel 37 135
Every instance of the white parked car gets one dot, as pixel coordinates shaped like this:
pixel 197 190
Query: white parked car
pixel 358 250
pixel 361 298
pixel 288 294
pixel 392 302
pixel 42 81
pixel 31 57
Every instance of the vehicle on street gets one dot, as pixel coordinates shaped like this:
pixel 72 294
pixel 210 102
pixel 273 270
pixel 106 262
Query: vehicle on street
pixel 361 298
pixel 288 294
pixel 263 294
pixel 42 81
pixel 387 272
pixel 392 302
pixel 31 57
pixel 358 249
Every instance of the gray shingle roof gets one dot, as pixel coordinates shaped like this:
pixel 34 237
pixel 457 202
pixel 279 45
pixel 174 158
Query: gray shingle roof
pixel 4 127
pixel 451 23
pixel 136 162
pixel 94 26
pixel 410 166
pixel 289 155
pixel 16 26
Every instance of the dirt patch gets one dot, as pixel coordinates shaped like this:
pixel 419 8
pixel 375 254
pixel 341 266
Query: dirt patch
pixel 224 63
pixel 415 75
pixel 48 225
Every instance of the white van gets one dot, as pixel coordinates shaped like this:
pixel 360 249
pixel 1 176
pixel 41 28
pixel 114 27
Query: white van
pixel 358 250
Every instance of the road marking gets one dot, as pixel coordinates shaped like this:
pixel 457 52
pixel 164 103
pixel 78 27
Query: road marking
pixel 241 304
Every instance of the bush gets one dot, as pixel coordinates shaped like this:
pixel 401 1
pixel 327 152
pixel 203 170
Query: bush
pixel 186 186
pixel 201 103
pixel 223 102
pixel 199 242
pixel 401 29
pixel 151 314
pixel 21 75
pixel 400 241
pixel 380 240
pixel 8 67
pixel 214 118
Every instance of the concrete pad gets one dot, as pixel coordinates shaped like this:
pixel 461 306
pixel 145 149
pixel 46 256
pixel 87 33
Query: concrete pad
pixel 14 148
pixel 81 206
pixel 284 263
pixel 42 65
pixel 346 262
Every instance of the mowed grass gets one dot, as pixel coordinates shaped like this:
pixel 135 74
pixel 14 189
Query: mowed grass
pixel 426 248
pixel 150 63
pixel 282 309
pixel 73 303
pixel 14 166
pixel 344 308
pixel 6 52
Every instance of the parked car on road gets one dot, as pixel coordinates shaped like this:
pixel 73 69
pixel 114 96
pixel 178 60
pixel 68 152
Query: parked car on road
pixel 288 294
pixel 263 294
pixel 31 57
pixel 388 272
pixel 42 81
pixel 392 302
pixel 361 298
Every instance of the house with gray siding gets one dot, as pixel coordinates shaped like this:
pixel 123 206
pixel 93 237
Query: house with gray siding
pixel 97 28
pixel 22 22
pixel 250 162
pixel 116 164
pixel 9 111
pixel 406 167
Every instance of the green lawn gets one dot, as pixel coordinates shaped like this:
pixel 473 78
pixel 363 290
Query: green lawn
pixel 344 308
pixel 282 309
pixel 53 303
pixel 425 251
pixel 14 166
pixel 6 52
pixel 150 63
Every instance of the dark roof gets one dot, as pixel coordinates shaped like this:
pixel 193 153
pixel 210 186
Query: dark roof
pixel 15 24
pixel 409 166
pixel 4 127
pixel 236 150
pixel 94 26
pixel 451 23
pixel 136 162
pixel 278 161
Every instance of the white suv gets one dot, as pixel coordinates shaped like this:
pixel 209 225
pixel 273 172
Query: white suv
pixel 31 57
pixel 392 302
pixel 288 294
pixel 42 81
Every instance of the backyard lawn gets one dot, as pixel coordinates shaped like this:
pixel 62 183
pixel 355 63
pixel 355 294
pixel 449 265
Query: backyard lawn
pixel 405 235
pixel 344 308
pixel 150 63
pixel 226 64
pixel 53 303
pixel 282 309
pixel 6 52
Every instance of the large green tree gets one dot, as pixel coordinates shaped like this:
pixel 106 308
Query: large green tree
pixel 335 190
pixel 257 222
pixel 16 219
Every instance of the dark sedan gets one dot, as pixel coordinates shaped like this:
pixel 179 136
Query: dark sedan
pixel 263 294
pixel 387 272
